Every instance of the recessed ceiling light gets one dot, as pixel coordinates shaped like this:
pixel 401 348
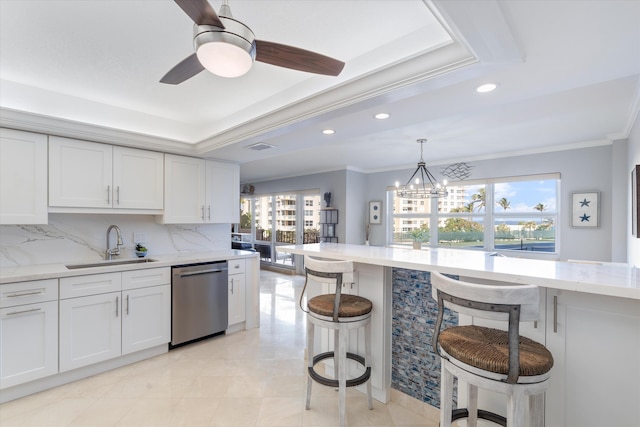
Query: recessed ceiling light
pixel 381 116
pixel 328 131
pixel 486 88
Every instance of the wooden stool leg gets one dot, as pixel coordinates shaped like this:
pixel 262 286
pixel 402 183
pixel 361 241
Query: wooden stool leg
pixel 336 359
pixel 342 377
pixel 516 408
pixel 367 354
pixel 310 339
pixel 536 410
pixel 446 395
pixel 472 405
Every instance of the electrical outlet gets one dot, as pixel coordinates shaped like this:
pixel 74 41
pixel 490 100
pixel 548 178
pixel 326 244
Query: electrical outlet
pixel 139 238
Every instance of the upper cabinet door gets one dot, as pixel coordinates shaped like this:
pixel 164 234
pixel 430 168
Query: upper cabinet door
pixel 23 177
pixel 184 190
pixel 138 177
pixel 223 192
pixel 80 173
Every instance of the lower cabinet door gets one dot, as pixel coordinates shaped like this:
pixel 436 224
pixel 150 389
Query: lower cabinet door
pixel 28 343
pixel 237 299
pixel 90 330
pixel 595 342
pixel 146 318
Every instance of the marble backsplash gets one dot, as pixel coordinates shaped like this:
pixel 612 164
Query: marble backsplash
pixel 82 238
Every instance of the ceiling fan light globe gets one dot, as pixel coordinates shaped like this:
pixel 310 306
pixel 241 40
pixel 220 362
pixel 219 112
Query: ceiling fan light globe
pixel 224 59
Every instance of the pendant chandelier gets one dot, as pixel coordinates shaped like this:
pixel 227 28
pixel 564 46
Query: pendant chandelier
pixel 423 185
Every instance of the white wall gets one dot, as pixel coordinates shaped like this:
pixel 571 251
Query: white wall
pixel 633 159
pixel 82 238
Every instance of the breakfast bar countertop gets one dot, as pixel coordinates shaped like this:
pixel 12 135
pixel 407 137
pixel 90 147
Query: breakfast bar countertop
pixel 610 280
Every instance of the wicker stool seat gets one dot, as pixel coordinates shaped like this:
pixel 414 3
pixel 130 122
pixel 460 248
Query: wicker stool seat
pixel 488 349
pixel 350 305
pixel 341 313
pixel 488 358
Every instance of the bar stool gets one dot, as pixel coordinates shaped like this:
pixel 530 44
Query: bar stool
pixel 502 361
pixel 340 313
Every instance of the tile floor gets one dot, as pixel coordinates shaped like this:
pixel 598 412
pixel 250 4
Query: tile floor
pixel 248 379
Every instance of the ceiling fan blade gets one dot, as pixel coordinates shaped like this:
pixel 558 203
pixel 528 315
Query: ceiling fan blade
pixel 200 11
pixel 297 59
pixel 187 68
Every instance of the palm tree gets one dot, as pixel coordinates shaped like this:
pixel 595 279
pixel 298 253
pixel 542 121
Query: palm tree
pixel 504 203
pixel 479 200
pixel 540 207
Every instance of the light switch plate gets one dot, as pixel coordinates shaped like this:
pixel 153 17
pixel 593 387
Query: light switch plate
pixel 139 237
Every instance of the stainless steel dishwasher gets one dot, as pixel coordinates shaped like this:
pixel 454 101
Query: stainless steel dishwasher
pixel 199 301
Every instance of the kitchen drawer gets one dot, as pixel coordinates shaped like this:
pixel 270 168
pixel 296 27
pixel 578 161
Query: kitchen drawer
pixel 236 266
pixel 136 279
pixel 80 286
pixel 21 293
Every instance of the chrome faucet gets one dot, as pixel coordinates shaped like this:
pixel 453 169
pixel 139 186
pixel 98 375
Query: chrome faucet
pixel 115 251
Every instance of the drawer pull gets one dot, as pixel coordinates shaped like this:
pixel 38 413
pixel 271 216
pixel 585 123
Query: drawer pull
pixel 25 294
pixel 23 311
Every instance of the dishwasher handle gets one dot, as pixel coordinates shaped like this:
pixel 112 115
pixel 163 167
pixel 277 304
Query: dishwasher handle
pixel 196 273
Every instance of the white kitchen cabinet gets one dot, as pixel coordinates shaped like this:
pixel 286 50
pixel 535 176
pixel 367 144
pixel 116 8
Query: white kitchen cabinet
pixel 200 191
pixel 146 317
pixel 103 316
pixel 595 342
pixel 184 190
pixel 28 331
pixel 86 174
pixel 80 173
pixel 138 179
pixel 237 291
pixel 223 192
pixel 90 329
pixel 23 177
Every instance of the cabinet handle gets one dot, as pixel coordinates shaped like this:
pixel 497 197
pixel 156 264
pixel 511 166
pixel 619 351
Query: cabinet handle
pixel 117 304
pixel 127 304
pixel 118 195
pixel 108 194
pixel 232 286
pixel 209 213
pixel 535 324
pixel 23 311
pixel 555 313
pixel 202 209
pixel 25 294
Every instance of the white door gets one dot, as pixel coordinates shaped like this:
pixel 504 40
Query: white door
pixel 146 318
pixel 80 173
pixel 223 192
pixel 23 177
pixel 28 342
pixel 89 330
pixel 184 186
pixel 595 342
pixel 138 179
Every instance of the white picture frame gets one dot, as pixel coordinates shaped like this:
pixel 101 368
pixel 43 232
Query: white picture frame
pixel 585 209
pixel 375 212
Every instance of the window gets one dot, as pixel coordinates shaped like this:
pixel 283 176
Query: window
pixel 506 214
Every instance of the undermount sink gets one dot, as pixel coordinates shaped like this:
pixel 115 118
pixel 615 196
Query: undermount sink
pixel 110 263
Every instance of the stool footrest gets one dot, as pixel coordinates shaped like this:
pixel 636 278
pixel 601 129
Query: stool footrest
pixel 334 383
pixel 457 414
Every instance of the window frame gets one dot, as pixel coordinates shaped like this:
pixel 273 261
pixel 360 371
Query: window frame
pixel 489 217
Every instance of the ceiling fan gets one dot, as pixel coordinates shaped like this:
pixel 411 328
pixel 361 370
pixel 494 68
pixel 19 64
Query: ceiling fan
pixel 227 48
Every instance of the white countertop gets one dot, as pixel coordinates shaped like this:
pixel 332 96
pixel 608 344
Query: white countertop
pixel 54 271
pixel 611 280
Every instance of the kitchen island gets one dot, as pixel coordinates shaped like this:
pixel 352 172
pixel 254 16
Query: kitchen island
pixel 590 320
